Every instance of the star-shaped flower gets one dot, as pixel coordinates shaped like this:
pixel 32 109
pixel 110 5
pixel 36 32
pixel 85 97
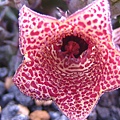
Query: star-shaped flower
pixel 71 60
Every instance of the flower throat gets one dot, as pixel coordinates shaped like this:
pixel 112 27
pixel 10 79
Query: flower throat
pixel 73 46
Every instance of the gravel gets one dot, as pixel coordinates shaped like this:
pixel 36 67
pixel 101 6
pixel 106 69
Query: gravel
pixel 9 111
pixel 2 88
pixel 3 72
pixel 20 117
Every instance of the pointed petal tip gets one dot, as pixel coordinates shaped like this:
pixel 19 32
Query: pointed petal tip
pixel 23 7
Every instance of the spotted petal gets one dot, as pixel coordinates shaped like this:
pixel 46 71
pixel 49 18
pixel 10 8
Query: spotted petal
pixel 74 83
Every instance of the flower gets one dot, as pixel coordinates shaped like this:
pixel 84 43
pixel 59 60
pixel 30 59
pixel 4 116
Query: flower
pixel 71 60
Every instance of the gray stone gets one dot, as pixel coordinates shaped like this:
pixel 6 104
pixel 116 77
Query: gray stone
pixel 9 111
pixel 2 88
pixel 103 112
pixel 20 117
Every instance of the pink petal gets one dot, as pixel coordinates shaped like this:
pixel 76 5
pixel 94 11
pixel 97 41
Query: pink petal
pixel 77 84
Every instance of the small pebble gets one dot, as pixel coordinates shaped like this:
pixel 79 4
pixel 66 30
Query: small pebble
pixel 39 102
pixel 23 110
pixel 3 72
pixel 103 112
pixel 23 99
pixel 13 89
pixel 54 115
pixel 47 103
pixel 39 115
pixel 20 117
pixel 54 106
pixel 115 112
pixel 34 107
pixel 105 101
pixel 63 117
pixel 93 115
pixel 6 98
pixel 0 109
pixel 43 102
pixel 2 88
pixel 113 96
pixel 9 111
pixel 8 82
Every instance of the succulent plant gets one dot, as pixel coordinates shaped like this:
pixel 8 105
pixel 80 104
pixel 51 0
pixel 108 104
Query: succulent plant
pixel 71 60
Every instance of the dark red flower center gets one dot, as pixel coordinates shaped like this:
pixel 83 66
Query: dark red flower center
pixel 73 46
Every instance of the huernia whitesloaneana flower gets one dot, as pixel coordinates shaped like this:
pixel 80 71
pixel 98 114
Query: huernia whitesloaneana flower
pixel 71 60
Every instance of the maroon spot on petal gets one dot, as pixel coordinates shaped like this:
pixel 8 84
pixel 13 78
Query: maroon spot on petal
pixel 52 93
pixel 40 38
pixel 99 15
pixel 109 46
pixel 86 102
pixel 26 27
pixel 93 95
pixel 100 26
pixel 33 84
pixel 29 16
pixel 113 82
pixel 22 87
pixel 92 15
pixel 94 10
pixel 90 30
pixel 94 27
pixel 27 85
pixel 104 32
pixel 31 72
pixel 111 60
pixel 65 106
pixel 25 14
pixel 108 85
pixel 30 40
pixel 62 99
pixel 105 18
pixel 82 24
pixel 28 48
pixel 34 23
pixel 86 16
pixel 117 76
pixel 25 69
pixel 52 25
pixel 33 19
pixel 95 21
pixel 99 33
pixel 44 89
pixel 45 24
pixel 63 26
pixel 89 23
pixel 104 25
pixel 98 7
pixel 40 24
pixel 47 29
pixel 32 33
pixel 102 4
pixel 97 88
pixel 118 81
pixel 103 10
pixel 24 21
pixel 29 64
pixel 101 21
pixel 26 76
pixel 75 20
